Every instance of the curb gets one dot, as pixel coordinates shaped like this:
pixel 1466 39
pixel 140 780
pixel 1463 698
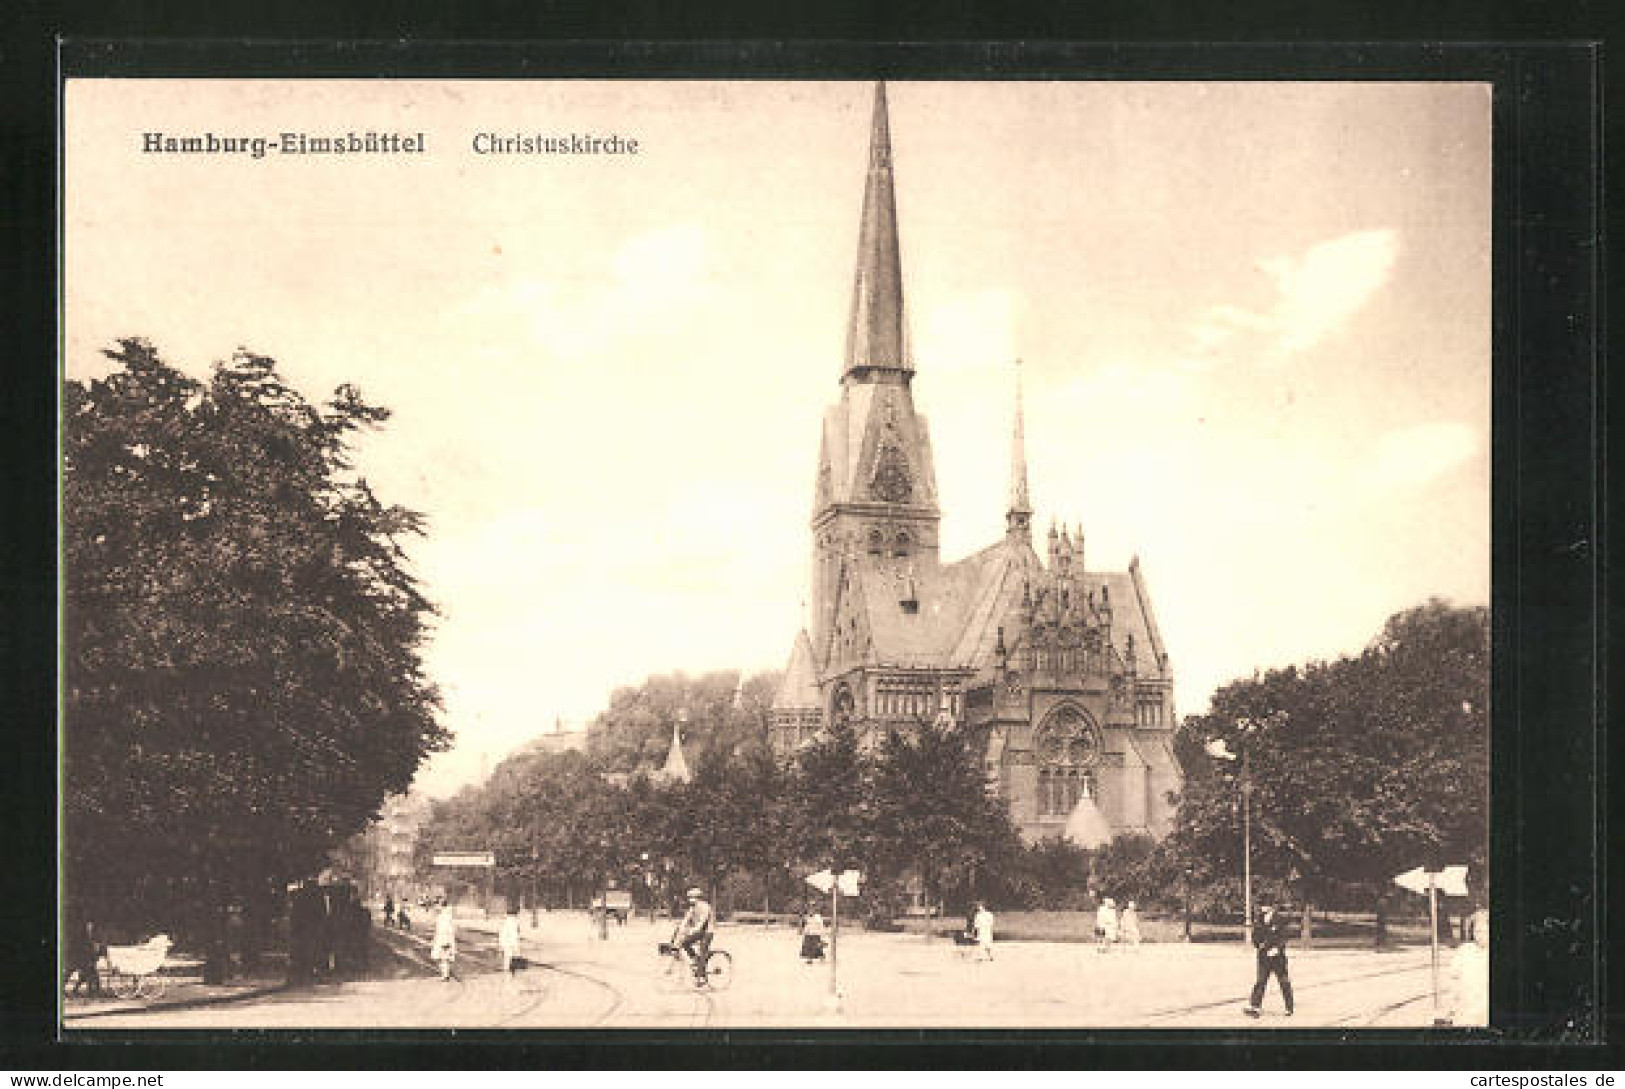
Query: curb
pixel 179 1004
pixel 260 991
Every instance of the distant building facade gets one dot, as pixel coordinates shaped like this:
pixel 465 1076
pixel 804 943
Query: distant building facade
pixel 394 840
pixel 1059 671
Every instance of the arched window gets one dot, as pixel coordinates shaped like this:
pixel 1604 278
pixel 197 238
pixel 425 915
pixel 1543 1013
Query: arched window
pixel 1066 747
pixel 902 545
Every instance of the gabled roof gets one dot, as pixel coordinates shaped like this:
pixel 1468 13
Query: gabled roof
pixel 798 690
pixel 991 581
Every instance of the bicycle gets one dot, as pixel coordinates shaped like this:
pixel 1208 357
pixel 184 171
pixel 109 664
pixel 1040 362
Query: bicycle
pixel 719 966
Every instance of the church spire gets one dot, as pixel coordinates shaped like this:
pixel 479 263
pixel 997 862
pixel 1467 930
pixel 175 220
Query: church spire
pixel 1019 516
pixel 876 340
pixel 676 767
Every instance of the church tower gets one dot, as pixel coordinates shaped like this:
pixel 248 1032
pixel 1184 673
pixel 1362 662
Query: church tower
pixel 1058 670
pixel 875 514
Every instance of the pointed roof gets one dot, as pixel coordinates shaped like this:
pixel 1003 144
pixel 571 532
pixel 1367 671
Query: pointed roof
pixel 676 767
pixel 876 337
pixel 798 691
pixel 1087 826
pixel 1019 500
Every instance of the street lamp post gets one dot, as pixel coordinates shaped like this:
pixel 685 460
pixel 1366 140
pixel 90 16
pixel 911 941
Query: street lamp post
pixel 1219 750
pixel 1187 901
pixel 1247 842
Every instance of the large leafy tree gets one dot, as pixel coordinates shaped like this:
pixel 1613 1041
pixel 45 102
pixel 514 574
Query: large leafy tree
pixel 933 814
pixel 242 678
pixel 1359 768
pixel 723 716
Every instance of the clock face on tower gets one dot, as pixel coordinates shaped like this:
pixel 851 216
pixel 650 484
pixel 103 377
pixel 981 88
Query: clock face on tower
pixel 891 482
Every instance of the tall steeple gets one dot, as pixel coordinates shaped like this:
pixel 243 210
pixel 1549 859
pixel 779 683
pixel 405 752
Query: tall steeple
pixel 876 340
pixel 1018 516
pixel 875 517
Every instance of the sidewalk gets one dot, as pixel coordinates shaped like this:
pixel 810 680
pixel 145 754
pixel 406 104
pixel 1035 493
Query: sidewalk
pixel 185 992
pixel 179 993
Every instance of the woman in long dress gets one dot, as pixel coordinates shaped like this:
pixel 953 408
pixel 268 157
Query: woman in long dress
pixel 1128 925
pixel 812 937
pixel 982 921
pixel 444 949
pixel 508 940
pixel 1106 925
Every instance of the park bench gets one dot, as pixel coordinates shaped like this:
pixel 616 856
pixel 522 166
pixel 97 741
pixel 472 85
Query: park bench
pixel 764 918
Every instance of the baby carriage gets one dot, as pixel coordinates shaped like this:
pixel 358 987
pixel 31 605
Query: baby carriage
pixel 134 971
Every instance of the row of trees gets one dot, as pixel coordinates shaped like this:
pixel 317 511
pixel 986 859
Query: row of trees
pixel 242 682
pixel 1359 768
pixel 746 824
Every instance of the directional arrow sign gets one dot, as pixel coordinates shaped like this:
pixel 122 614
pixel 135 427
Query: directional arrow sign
pixel 1416 880
pixel 848 882
pixel 1453 880
pixel 822 880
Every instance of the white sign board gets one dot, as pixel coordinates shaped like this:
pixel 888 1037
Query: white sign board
pixel 1416 880
pixel 822 880
pixel 1453 880
pixel 466 858
pixel 1450 881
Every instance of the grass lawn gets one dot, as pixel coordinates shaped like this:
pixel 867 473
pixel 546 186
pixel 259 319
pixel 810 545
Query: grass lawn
pixel 1333 931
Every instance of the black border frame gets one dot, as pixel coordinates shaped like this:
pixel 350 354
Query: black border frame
pixel 1549 850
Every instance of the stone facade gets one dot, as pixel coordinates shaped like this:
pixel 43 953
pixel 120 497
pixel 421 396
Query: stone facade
pixel 1058 670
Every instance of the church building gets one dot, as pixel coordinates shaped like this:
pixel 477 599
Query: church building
pixel 1058 670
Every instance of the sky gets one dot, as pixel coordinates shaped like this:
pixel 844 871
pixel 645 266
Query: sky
pixel 1253 321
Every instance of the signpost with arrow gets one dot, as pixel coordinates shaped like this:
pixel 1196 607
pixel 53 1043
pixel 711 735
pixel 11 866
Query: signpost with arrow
pixel 1452 881
pixel 837 885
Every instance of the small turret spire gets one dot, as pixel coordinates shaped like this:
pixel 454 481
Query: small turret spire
pixel 1018 517
pixel 876 340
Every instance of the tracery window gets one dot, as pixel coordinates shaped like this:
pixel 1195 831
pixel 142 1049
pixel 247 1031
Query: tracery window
pixel 1067 747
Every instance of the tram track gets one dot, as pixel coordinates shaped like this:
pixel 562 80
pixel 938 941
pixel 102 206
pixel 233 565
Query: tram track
pixel 478 949
pixel 1299 988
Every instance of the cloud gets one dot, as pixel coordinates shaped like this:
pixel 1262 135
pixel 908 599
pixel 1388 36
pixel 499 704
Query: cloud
pixel 662 270
pixel 1414 456
pixel 1315 293
pixel 972 331
pixel 653 281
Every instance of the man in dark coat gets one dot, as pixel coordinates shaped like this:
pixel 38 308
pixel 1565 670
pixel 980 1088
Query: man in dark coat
pixel 1269 936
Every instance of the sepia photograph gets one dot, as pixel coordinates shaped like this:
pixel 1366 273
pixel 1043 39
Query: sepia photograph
pixel 789 554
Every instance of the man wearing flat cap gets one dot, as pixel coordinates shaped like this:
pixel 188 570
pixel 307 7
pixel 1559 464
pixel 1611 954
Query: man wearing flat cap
pixel 694 933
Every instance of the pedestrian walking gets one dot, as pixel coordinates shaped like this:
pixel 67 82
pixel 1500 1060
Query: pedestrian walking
pixel 982 924
pixel 403 921
pixel 812 937
pixel 389 912
pixel 84 949
pixel 444 947
pixel 1128 925
pixel 1269 936
pixel 508 940
pixel 1105 925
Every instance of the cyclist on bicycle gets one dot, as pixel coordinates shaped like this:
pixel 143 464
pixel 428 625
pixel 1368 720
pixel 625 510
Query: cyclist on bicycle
pixel 694 933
